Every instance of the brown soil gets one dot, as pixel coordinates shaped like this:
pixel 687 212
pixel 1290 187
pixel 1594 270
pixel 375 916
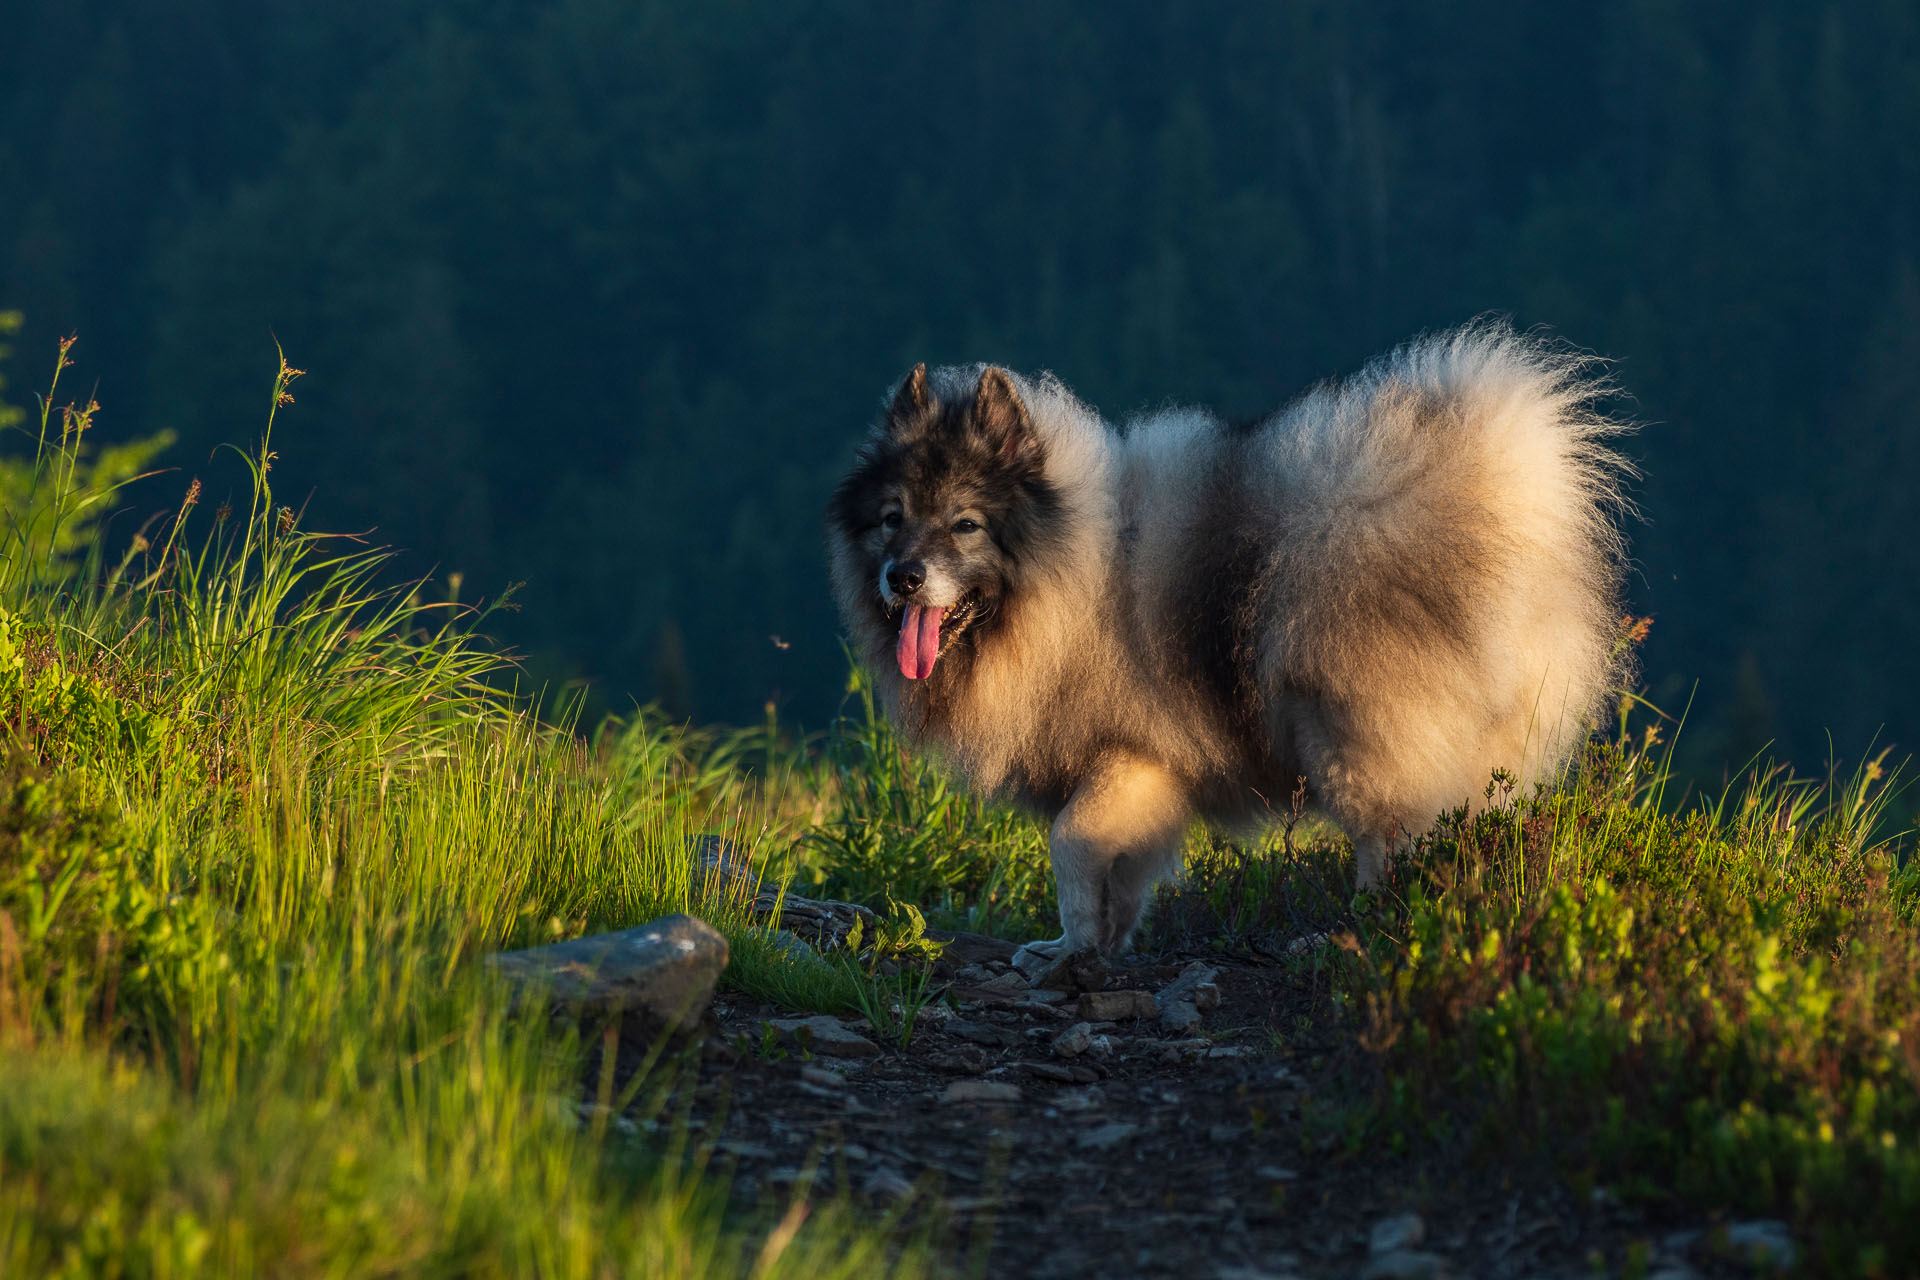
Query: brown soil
pixel 1150 1162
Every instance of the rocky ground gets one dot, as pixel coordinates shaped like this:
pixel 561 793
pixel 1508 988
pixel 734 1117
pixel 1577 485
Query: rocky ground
pixel 1171 1123
pixel 1179 1115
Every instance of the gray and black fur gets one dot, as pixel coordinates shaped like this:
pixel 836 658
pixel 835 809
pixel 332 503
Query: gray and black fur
pixel 1391 588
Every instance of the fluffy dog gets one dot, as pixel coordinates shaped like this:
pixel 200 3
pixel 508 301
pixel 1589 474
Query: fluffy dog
pixel 1389 589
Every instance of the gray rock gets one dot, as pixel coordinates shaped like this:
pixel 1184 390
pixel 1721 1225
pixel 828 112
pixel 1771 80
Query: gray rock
pixel 1762 1243
pixel 663 972
pixel 1194 976
pixel 1074 1041
pixel 1090 1098
pixel 1403 1264
pixel 981 1091
pixel 1402 1231
pixel 819 922
pixel 1188 1050
pixel 1115 1006
pixel 1106 1137
pixel 989 1034
pixel 825 1035
pixel 1180 1001
pixel 1081 971
pixel 1049 1071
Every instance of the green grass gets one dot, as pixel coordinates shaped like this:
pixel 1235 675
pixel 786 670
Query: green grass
pixel 1715 1006
pixel 259 815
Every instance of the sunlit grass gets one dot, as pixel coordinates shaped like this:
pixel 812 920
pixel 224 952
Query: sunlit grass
pixel 260 813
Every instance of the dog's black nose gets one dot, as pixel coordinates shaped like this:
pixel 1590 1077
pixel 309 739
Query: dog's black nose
pixel 906 577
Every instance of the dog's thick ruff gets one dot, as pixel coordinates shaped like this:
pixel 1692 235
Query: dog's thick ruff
pixel 1390 589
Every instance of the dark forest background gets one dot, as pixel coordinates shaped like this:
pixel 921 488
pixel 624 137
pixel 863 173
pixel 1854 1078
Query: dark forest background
pixel 597 294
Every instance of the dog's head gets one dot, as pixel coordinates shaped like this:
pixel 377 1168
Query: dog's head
pixel 946 508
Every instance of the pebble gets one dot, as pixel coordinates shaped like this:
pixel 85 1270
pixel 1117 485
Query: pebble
pixel 1074 1041
pixel 1175 1050
pixel 1115 1006
pixel 1402 1231
pixel 1049 1071
pixel 981 1091
pixel 1106 1136
pixel 986 1033
pixel 826 1036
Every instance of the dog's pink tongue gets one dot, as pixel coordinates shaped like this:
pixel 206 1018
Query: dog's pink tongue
pixel 919 641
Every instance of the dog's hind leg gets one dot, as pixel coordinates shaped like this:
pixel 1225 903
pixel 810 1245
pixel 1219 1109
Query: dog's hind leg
pixel 1121 830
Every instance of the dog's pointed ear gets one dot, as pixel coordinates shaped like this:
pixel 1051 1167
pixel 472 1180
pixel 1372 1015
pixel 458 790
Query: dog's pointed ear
pixel 911 401
pixel 1001 418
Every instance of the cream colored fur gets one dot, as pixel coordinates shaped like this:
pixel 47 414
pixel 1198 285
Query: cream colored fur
pixel 1435 596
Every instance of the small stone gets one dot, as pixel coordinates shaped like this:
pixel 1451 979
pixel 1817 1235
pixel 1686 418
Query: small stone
pixel 1081 971
pixel 825 1035
pixel 1010 983
pixel 1402 1231
pixel 1115 1006
pixel 1763 1243
pixel 1091 1098
pixel 1403 1264
pixel 1179 1017
pixel 981 1091
pixel 1049 1071
pixel 663 971
pixel 1074 1041
pixel 1106 1136
pixel 986 1033
pixel 1194 976
pixel 1188 1050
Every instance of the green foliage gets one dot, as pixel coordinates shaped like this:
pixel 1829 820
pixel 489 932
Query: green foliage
pixel 259 816
pixel 1719 1004
pixel 902 831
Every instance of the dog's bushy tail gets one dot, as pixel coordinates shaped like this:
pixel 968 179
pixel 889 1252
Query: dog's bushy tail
pixel 1451 558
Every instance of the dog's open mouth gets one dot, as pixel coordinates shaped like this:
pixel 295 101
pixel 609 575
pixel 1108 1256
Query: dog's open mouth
pixel 927 631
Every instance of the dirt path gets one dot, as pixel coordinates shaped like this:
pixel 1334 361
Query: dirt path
pixel 1202 1153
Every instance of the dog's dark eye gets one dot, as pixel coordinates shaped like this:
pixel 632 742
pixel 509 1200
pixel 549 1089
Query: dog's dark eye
pixel 966 526
pixel 890 521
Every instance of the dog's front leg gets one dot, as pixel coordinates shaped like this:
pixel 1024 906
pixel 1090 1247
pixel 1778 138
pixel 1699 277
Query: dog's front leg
pixel 1120 832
